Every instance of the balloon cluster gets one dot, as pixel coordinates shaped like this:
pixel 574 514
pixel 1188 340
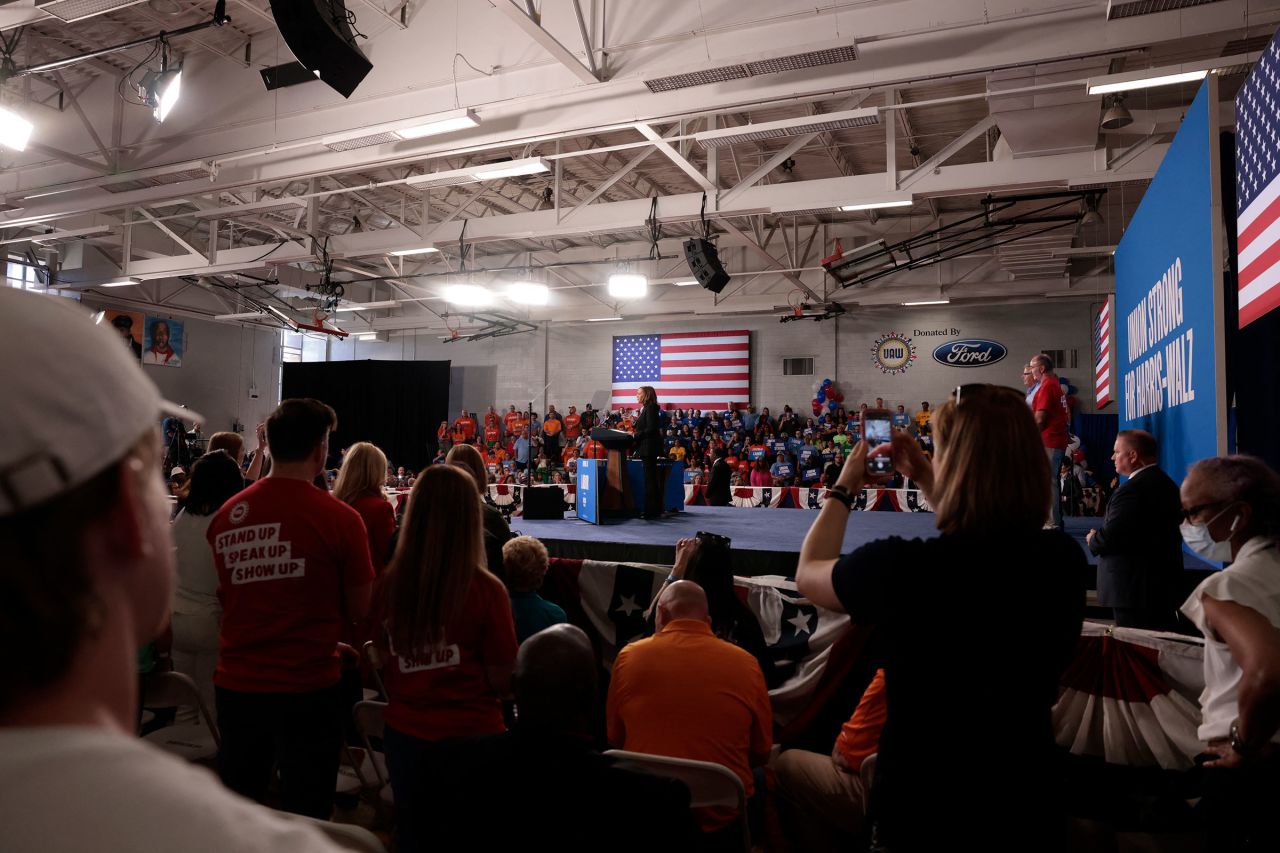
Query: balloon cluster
pixel 826 392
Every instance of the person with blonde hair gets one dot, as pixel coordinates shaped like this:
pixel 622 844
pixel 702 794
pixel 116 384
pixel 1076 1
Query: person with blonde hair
pixel 443 626
pixel 989 487
pixel 496 529
pixel 359 485
pixel 525 560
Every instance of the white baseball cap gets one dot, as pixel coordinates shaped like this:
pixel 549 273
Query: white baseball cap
pixel 76 399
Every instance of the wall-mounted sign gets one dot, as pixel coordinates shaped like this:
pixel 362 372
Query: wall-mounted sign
pixel 893 353
pixel 972 352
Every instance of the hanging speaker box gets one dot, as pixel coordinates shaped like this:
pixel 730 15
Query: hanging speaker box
pixel 318 34
pixel 704 263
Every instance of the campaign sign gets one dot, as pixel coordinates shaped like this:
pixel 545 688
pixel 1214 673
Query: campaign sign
pixel 973 352
pixel 1169 299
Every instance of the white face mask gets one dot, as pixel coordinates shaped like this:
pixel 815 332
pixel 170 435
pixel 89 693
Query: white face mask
pixel 1200 541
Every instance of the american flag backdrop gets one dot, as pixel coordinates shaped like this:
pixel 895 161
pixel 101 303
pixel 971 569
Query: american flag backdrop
pixel 1102 336
pixel 1257 190
pixel 689 370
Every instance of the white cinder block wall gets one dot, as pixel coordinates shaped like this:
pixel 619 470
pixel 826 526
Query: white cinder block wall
pixel 576 359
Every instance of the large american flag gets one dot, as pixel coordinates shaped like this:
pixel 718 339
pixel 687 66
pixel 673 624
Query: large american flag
pixel 689 370
pixel 1257 190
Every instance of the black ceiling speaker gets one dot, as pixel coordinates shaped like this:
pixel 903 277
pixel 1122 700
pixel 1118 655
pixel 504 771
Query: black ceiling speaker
pixel 705 265
pixel 319 34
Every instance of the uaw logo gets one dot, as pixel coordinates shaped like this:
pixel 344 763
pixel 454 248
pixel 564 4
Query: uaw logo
pixel 893 353
pixel 973 352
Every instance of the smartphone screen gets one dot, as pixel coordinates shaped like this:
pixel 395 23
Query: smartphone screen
pixel 877 429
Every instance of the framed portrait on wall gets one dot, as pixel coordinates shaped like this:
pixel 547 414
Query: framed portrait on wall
pixel 164 343
pixel 127 324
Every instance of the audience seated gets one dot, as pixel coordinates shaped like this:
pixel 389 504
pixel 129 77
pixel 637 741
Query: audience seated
pixel 685 693
pixel 443 626
pixel 526 561
pixel 822 799
pixel 542 785
pixel 87 577
pixel 359 485
pixel 197 613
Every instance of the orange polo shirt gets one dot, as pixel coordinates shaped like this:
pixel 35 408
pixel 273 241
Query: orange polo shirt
pixel 685 693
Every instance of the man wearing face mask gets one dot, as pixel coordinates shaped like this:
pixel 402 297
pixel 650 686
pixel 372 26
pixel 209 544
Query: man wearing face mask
pixel 1232 509
pixel 1139 546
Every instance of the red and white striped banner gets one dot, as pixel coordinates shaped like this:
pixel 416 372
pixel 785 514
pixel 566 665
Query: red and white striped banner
pixel 1103 333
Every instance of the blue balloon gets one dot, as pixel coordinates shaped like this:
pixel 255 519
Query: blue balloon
pixel 827 383
pixel 832 405
pixel 822 395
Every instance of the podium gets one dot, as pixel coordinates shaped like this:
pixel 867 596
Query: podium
pixel 614 486
pixel 616 497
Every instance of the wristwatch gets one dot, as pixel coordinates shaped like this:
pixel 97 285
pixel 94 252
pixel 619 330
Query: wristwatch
pixel 1237 743
pixel 841 494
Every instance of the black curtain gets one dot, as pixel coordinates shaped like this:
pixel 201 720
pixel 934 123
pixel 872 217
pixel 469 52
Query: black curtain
pixel 397 405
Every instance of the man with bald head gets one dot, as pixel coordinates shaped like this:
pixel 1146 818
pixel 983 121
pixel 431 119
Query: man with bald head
pixel 543 784
pixel 1139 545
pixel 686 693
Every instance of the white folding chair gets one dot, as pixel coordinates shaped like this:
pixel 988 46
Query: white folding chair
pixel 345 835
pixel 192 741
pixel 369 724
pixel 709 784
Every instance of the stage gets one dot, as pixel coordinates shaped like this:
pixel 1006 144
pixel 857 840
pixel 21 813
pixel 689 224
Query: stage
pixel 765 541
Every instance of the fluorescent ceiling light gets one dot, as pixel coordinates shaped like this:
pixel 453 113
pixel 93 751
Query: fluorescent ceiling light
pixel 602 319
pixel 369 306
pixel 624 285
pixel 1107 85
pixel 14 130
pixel 443 123
pixel 471 295
pixel 162 91
pixel 528 293
pixel 876 205
pixel 121 282
pixel 371 336
pixel 487 172
pixel 930 302
pixel 246 315
pixel 788 127
pixel 402 253
pixel 690 283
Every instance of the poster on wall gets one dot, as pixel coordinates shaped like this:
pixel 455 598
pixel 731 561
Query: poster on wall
pixel 127 324
pixel 164 342
pixel 1169 306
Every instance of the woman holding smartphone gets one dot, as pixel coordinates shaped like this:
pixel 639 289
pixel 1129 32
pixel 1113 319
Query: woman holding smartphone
pixel 990 694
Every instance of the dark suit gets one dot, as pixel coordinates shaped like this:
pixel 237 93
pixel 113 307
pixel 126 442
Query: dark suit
pixel 649 447
pixel 1140 546
pixel 718 485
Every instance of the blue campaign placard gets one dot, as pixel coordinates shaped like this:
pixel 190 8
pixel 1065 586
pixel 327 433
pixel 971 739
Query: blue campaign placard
pixel 1169 300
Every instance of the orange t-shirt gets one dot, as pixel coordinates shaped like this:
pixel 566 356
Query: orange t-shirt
pixel 491 419
pixel 686 693
pixel 552 427
pixel 594 450
pixel 491 434
pixel 860 736
pixel 467 426
pixel 572 426
pixel 509 420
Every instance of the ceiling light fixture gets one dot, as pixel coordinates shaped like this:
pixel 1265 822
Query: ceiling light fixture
pixel 15 130
pixel 1107 85
pixel 876 205
pixel 626 285
pixel 369 306
pixel 423 250
pixel 602 319
pixel 528 293
pixel 468 295
pixel 1116 116
pixel 688 283
pixel 121 282
pixel 442 123
pixel 929 302
pixel 160 89
pixel 485 172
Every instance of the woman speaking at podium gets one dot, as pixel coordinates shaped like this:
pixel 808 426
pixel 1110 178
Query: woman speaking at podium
pixel 649 447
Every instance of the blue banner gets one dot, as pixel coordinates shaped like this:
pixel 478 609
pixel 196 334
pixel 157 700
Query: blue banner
pixel 1169 299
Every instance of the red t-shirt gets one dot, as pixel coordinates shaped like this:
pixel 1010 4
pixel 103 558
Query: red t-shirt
pixel 380 523
pixel 286 553
pixel 1052 399
pixel 572 426
pixel 491 419
pixel 467 426
pixel 443 692
pixel 492 434
pixel 510 419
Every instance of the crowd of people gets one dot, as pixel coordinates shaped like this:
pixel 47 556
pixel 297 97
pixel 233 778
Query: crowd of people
pixel 493 699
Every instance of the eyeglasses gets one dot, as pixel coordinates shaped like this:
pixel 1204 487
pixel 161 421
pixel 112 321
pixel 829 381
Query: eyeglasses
pixel 1191 512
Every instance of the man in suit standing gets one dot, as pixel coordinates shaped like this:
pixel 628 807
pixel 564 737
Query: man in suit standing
pixel 1140 544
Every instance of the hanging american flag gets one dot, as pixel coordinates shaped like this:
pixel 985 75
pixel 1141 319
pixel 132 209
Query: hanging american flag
pixel 689 370
pixel 1102 334
pixel 1257 190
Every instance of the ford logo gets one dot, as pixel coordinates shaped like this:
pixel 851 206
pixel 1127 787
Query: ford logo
pixel 969 353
